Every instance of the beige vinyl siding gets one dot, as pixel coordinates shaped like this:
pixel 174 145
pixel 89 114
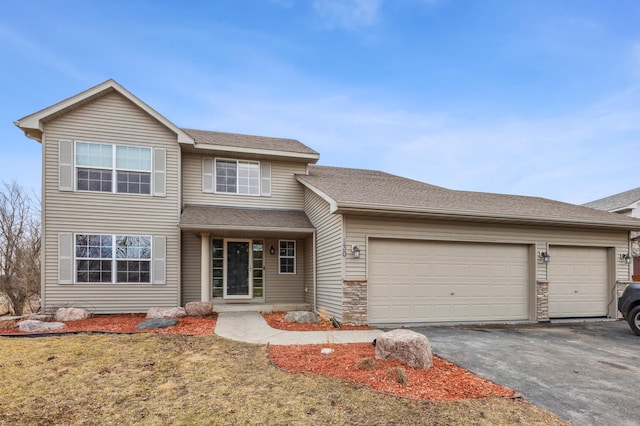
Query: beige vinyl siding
pixel 329 263
pixel 286 192
pixel 191 264
pixel 110 119
pixel 308 271
pixel 284 288
pixel 358 229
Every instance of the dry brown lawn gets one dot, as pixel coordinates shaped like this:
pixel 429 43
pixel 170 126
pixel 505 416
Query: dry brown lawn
pixel 172 379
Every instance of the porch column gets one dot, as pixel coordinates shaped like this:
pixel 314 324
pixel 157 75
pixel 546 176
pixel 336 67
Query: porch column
pixel 205 268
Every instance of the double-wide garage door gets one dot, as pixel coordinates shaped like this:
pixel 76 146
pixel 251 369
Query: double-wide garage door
pixel 433 281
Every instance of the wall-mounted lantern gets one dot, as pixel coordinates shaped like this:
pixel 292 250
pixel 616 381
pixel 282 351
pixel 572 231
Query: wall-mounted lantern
pixel 356 252
pixel 272 250
pixel 625 258
pixel 544 255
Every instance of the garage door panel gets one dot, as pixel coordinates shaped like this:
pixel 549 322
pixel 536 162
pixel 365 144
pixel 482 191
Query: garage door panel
pixel 448 281
pixel 578 282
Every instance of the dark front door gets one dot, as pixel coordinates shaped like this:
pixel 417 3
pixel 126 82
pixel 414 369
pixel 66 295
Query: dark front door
pixel 238 270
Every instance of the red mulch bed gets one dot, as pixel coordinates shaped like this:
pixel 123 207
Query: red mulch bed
pixel 126 324
pixel 444 382
pixel 276 320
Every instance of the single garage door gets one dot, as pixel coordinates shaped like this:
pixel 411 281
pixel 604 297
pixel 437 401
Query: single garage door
pixel 433 281
pixel 578 282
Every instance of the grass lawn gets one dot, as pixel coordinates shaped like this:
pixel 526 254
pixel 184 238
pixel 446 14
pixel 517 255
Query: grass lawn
pixel 171 379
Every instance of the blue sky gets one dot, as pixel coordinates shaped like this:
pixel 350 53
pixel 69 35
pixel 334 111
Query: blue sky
pixel 534 98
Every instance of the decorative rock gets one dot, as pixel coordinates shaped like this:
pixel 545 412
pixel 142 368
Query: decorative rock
pixel 326 351
pixel 157 323
pixel 71 314
pixel 166 312
pixel 301 317
pixel 199 309
pixel 33 325
pixel 407 346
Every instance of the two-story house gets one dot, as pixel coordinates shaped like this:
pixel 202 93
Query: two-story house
pixel 138 212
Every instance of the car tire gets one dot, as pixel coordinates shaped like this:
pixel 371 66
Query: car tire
pixel 633 318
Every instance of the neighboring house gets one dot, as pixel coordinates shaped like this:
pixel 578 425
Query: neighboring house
pixel 138 212
pixel 625 203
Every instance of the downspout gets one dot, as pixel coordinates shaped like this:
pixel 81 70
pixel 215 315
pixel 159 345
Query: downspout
pixel 315 274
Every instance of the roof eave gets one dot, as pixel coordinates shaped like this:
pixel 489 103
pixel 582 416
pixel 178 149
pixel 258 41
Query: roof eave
pixel 257 151
pixel 32 125
pixel 201 227
pixel 359 208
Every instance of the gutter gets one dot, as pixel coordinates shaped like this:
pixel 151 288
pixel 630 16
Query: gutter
pixel 362 208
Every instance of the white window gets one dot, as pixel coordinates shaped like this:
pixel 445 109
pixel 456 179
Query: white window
pixel 99 166
pixel 237 177
pixel 287 256
pixel 107 259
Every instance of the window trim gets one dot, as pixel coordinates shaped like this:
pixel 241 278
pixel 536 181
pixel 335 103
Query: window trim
pixel 294 257
pixel 114 168
pixel 114 259
pixel 215 177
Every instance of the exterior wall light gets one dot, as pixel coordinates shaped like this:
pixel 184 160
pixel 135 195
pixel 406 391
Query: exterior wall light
pixel 356 252
pixel 272 250
pixel 544 255
pixel 625 258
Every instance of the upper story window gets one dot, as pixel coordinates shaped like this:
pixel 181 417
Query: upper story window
pixel 225 176
pixel 238 177
pixel 113 168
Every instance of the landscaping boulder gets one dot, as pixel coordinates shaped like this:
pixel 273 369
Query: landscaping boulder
pixel 166 312
pixel 407 346
pixel 301 317
pixel 72 314
pixel 157 323
pixel 33 325
pixel 199 309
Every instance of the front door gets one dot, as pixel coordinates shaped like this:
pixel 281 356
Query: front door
pixel 237 282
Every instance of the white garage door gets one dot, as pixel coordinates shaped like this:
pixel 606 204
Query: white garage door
pixel 430 281
pixel 578 282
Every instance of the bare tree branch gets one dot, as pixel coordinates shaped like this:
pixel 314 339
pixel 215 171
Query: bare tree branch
pixel 19 247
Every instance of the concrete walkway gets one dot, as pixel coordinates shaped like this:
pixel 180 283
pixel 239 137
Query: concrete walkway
pixel 251 327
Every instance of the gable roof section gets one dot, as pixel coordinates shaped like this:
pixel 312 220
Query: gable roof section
pixel 248 144
pixel 373 192
pixel 615 202
pixel 32 125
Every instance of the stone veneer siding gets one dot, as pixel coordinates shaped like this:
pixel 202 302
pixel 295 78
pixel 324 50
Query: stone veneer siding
pixel 354 301
pixel 542 301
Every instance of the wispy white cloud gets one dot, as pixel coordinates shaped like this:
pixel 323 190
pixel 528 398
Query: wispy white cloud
pixel 349 14
pixel 37 53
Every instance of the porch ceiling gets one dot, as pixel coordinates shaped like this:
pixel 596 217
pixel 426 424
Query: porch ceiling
pixel 235 222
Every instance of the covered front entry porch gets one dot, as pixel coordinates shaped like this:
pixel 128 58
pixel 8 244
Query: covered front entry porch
pixel 247 257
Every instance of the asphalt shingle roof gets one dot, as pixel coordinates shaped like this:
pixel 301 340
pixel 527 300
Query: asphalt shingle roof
pixel 236 140
pixel 617 201
pixel 214 217
pixel 369 189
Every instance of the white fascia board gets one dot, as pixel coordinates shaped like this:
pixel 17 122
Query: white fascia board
pixel 258 151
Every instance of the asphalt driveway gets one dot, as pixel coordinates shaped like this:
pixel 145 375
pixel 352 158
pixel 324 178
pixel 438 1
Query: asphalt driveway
pixel 588 373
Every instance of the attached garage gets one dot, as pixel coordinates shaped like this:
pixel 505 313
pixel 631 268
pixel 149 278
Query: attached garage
pixel 414 281
pixel 578 282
